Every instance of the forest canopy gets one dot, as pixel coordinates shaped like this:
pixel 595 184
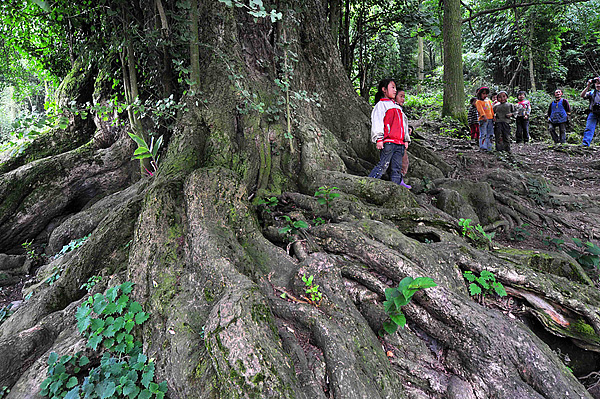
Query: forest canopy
pixel 186 212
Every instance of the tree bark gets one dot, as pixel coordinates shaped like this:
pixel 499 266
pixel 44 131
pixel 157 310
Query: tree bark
pixel 531 65
pixel 454 96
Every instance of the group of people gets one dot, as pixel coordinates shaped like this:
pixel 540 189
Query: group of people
pixel 487 118
pixel 490 118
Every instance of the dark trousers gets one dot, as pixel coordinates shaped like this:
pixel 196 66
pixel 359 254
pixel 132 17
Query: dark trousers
pixel 502 133
pixel 390 156
pixel 562 127
pixel 522 134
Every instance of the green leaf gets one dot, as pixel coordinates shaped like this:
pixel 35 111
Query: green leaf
pixel 577 242
pixel 423 282
pixel 106 389
pixel 94 341
pixel 141 150
pixel 135 307
pixel 390 327
pixel 499 288
pixel 469 276
pixel 474 289
pixel 399 319
pixel 591 248
pixel 156 146
pixel 83 361
pixel 73 393
pixel 130 389
pixel 72 382
pixel 145 394
pixel 141 317
pixel 52 358
pixel 139 140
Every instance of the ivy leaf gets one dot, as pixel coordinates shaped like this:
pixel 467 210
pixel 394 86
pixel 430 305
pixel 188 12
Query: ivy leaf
pixel 72 382
pixel 127 287
pixel 83 361
pixel 106 389
pixel 145 394
pixel 73 393
pixel 130 389
pixel 141 317
pixel 94 341
pixel 52 358
pixel 135 307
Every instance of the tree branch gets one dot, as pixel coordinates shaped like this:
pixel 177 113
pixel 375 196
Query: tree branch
pixel 537 3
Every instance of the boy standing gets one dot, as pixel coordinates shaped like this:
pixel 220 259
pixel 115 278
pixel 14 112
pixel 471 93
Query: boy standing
pixel 472 120
pixel 523 111
pixel 503 111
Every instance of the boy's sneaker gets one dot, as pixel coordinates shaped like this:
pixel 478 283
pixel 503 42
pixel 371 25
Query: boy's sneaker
pixel 405 185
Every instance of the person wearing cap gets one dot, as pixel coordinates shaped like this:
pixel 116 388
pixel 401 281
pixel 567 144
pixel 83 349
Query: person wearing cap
pixel 558 116
pixel 486 119
pixel 503 111
pixel 592 120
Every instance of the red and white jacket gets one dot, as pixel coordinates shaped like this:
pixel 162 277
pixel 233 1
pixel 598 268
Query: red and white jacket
pixel 388 123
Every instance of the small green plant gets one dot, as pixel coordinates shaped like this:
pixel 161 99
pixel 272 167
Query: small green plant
pixel 30 251
pixel 270 203
pixel 313 294
pixel 484 283
pixel 72 245
pixel 4 391
pixel 475 233
pixel 92 281
pixel 106 321
pixel 539 191
pixel 587 254
pixel 56 271
pixel 319 221
pixel 466 226
pixel 325 195
pixel 487 236
pixel 292 226
pixel 145 151
pixel 5 312
pixel 519 233
pixel 396 297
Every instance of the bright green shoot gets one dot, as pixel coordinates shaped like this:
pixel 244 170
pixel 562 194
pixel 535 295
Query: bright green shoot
pixel 401 296
pixel 313 294
pixel 325 195
pixel 484 284
pixel 145 151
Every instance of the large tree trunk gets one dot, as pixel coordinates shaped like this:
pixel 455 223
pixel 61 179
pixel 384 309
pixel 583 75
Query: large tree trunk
pixel 454 93
pixel 211 268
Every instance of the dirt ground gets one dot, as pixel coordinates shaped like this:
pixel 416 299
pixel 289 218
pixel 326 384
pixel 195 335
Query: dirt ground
pixel 571 174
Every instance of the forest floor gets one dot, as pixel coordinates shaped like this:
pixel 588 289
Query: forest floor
pixel 571 174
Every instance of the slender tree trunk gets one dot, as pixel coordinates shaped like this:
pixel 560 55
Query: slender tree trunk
pixel 335 9
pixel 531 66
pixel 454 96
pixel 420 62
pixel 194 50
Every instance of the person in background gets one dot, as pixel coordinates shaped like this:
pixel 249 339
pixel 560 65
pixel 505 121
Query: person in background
pixel 389 129
pixel 400 99
pixel 503 111
pixel 486 119
pixel 494 98
pixel 472 120
pixel 558 116
pixel 592 120
pixel 523 112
